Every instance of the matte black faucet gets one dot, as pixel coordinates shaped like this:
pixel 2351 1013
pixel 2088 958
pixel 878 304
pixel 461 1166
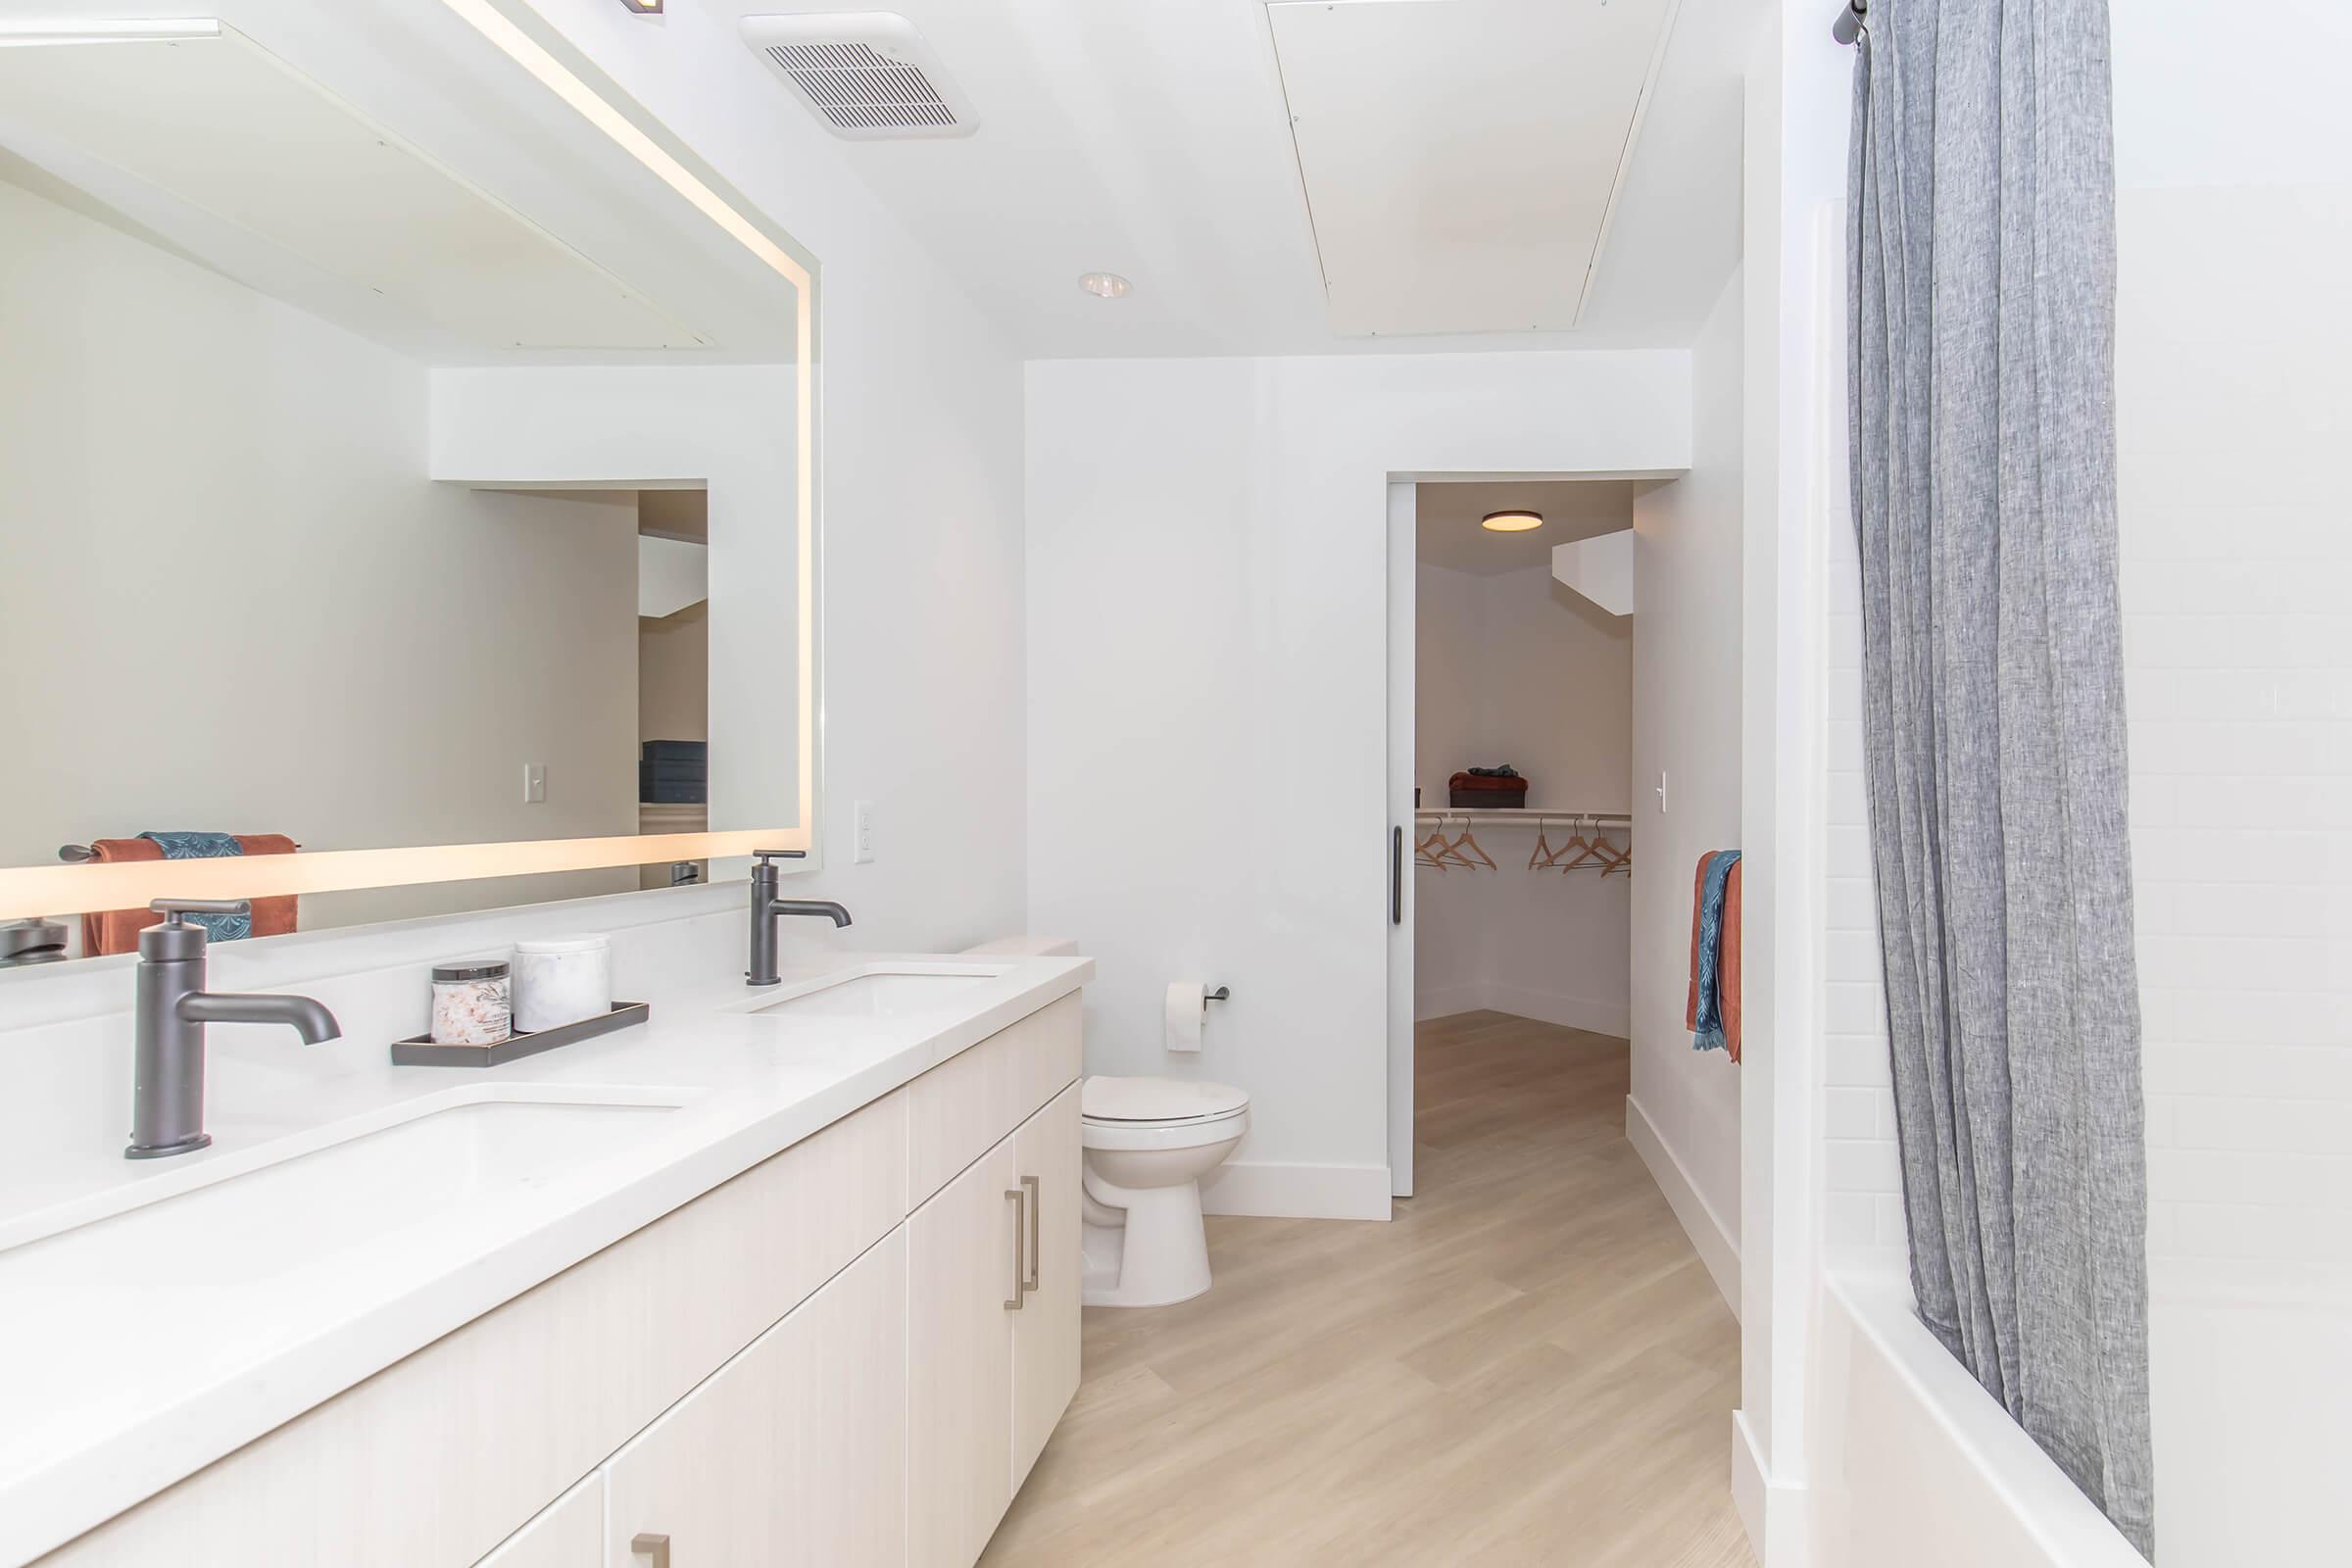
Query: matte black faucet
pixel 167 1108
pixel 765 907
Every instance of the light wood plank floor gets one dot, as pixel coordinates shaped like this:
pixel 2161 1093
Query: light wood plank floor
pixel 1527 1365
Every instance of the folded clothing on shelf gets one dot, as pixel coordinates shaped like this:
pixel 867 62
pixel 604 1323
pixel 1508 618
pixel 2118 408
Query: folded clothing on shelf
pixel 1487 788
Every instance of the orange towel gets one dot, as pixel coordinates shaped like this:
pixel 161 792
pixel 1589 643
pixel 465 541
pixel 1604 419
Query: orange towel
pixel 118 930
pixel 1727 966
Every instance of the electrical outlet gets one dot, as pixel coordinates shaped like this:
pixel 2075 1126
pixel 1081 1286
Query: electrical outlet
pixel 864 829
pixel 534 783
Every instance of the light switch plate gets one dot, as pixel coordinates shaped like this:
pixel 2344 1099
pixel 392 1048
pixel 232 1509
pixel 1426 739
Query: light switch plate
pixel 534 783
pixel 863 832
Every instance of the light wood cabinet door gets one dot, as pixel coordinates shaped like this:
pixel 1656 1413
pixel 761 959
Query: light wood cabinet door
pixel 962 1269
pixel 1050 1161
pixel 569 1532
pixel 795 1452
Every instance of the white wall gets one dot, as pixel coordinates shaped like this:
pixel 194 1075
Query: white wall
pixel 919 404
pixel 673 674
pixel 239 603
pixel 1685 1111
pixel 1208 692
pixel 1798 96
pixel 1515 667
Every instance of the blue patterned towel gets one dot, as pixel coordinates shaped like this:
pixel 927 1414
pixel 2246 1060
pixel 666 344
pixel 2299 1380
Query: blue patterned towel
pixel 1709 1034
pixel 207 847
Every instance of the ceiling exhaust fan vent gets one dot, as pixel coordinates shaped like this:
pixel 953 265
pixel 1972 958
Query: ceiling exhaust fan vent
pixel 867 75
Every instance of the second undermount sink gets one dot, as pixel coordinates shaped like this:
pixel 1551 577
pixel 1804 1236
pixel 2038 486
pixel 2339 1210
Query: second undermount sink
pixel 286 1204
pixel 883 991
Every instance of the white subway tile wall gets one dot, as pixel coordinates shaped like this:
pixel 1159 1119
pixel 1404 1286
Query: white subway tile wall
pixel 2237 509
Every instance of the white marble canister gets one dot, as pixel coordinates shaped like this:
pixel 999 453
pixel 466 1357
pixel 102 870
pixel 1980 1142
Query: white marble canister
pixel 561 980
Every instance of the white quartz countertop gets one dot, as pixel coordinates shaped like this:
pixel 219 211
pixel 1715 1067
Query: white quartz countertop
pixel 137 1348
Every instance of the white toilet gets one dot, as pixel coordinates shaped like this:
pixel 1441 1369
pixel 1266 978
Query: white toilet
pixel 1148 1142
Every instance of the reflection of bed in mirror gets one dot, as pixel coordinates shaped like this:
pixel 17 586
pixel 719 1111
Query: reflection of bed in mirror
pixel 367 493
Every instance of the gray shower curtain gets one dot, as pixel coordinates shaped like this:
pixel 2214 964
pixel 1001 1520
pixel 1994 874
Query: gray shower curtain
pixel 1981 211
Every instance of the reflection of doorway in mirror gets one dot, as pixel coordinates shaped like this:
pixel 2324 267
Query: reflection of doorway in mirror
pixel 673 673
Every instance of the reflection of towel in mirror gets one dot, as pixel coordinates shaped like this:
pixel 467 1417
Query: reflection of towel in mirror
pixel 1704 1011
pixel 207 847
pixel 118 930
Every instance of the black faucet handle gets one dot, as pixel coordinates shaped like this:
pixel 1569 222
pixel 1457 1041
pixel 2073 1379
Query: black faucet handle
pixel 173 909
pixel 787 854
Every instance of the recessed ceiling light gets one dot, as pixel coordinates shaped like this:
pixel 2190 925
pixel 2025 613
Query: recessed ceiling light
pixel 644 8
pixel 1515 521
pixel 1107 286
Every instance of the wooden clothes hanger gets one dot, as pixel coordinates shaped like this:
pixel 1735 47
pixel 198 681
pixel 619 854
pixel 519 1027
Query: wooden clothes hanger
pixel 1467 837
pixel 1542 855
pixel 1621 861
pixel 1588 850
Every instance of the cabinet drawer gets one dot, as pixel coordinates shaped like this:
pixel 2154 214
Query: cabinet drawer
pixel 437 1458
pixel 794 1452
pixel 961 1108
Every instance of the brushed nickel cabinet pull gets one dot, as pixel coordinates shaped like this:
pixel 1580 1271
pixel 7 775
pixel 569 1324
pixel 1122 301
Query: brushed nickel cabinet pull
pixel 647 1544
pixel 1019 1197
pixel 1029 1184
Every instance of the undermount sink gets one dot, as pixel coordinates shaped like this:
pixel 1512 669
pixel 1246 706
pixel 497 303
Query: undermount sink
pixel 281 1206
pixel 882 993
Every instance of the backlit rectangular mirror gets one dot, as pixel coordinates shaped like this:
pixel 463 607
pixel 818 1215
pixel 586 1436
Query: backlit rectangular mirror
pixel 409 501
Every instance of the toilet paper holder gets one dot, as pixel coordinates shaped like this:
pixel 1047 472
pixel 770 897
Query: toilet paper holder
pixel 1221 994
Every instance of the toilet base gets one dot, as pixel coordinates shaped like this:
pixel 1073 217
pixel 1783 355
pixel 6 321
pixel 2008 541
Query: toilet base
pixel 1159 1257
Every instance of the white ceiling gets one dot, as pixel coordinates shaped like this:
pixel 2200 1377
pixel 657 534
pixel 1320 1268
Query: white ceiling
pixel 1448 516
pixel 1145 137
pixel 1150 138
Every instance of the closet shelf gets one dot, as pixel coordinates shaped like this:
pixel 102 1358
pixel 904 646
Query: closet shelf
pixel 1482 815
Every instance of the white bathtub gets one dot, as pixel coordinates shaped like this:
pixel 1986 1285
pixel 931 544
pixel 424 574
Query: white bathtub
pixel 2252 1364
pixel 1914 1464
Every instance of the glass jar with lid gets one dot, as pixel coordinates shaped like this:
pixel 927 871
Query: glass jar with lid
pixel 474 1002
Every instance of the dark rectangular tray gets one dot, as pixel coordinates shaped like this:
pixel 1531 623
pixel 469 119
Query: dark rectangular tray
pixel 420 1052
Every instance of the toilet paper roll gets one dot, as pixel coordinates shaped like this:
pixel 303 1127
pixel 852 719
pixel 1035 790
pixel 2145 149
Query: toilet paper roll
pixel 1186 1004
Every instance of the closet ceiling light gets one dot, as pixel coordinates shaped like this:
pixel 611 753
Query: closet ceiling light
pixel 1106 285
pixel 1515 521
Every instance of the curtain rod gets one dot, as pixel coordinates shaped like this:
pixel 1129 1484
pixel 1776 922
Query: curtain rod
pixel 1848 26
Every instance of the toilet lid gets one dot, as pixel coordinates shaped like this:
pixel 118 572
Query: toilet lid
pixel 1158 1100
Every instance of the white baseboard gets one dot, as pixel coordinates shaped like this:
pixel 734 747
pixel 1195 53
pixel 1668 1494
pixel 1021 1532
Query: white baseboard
pixel 1773 1515
pixel 1568 1013
pixel 1273 1191
pixel 1747 1482
pixel 1716 1245
pixel 1443 1002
